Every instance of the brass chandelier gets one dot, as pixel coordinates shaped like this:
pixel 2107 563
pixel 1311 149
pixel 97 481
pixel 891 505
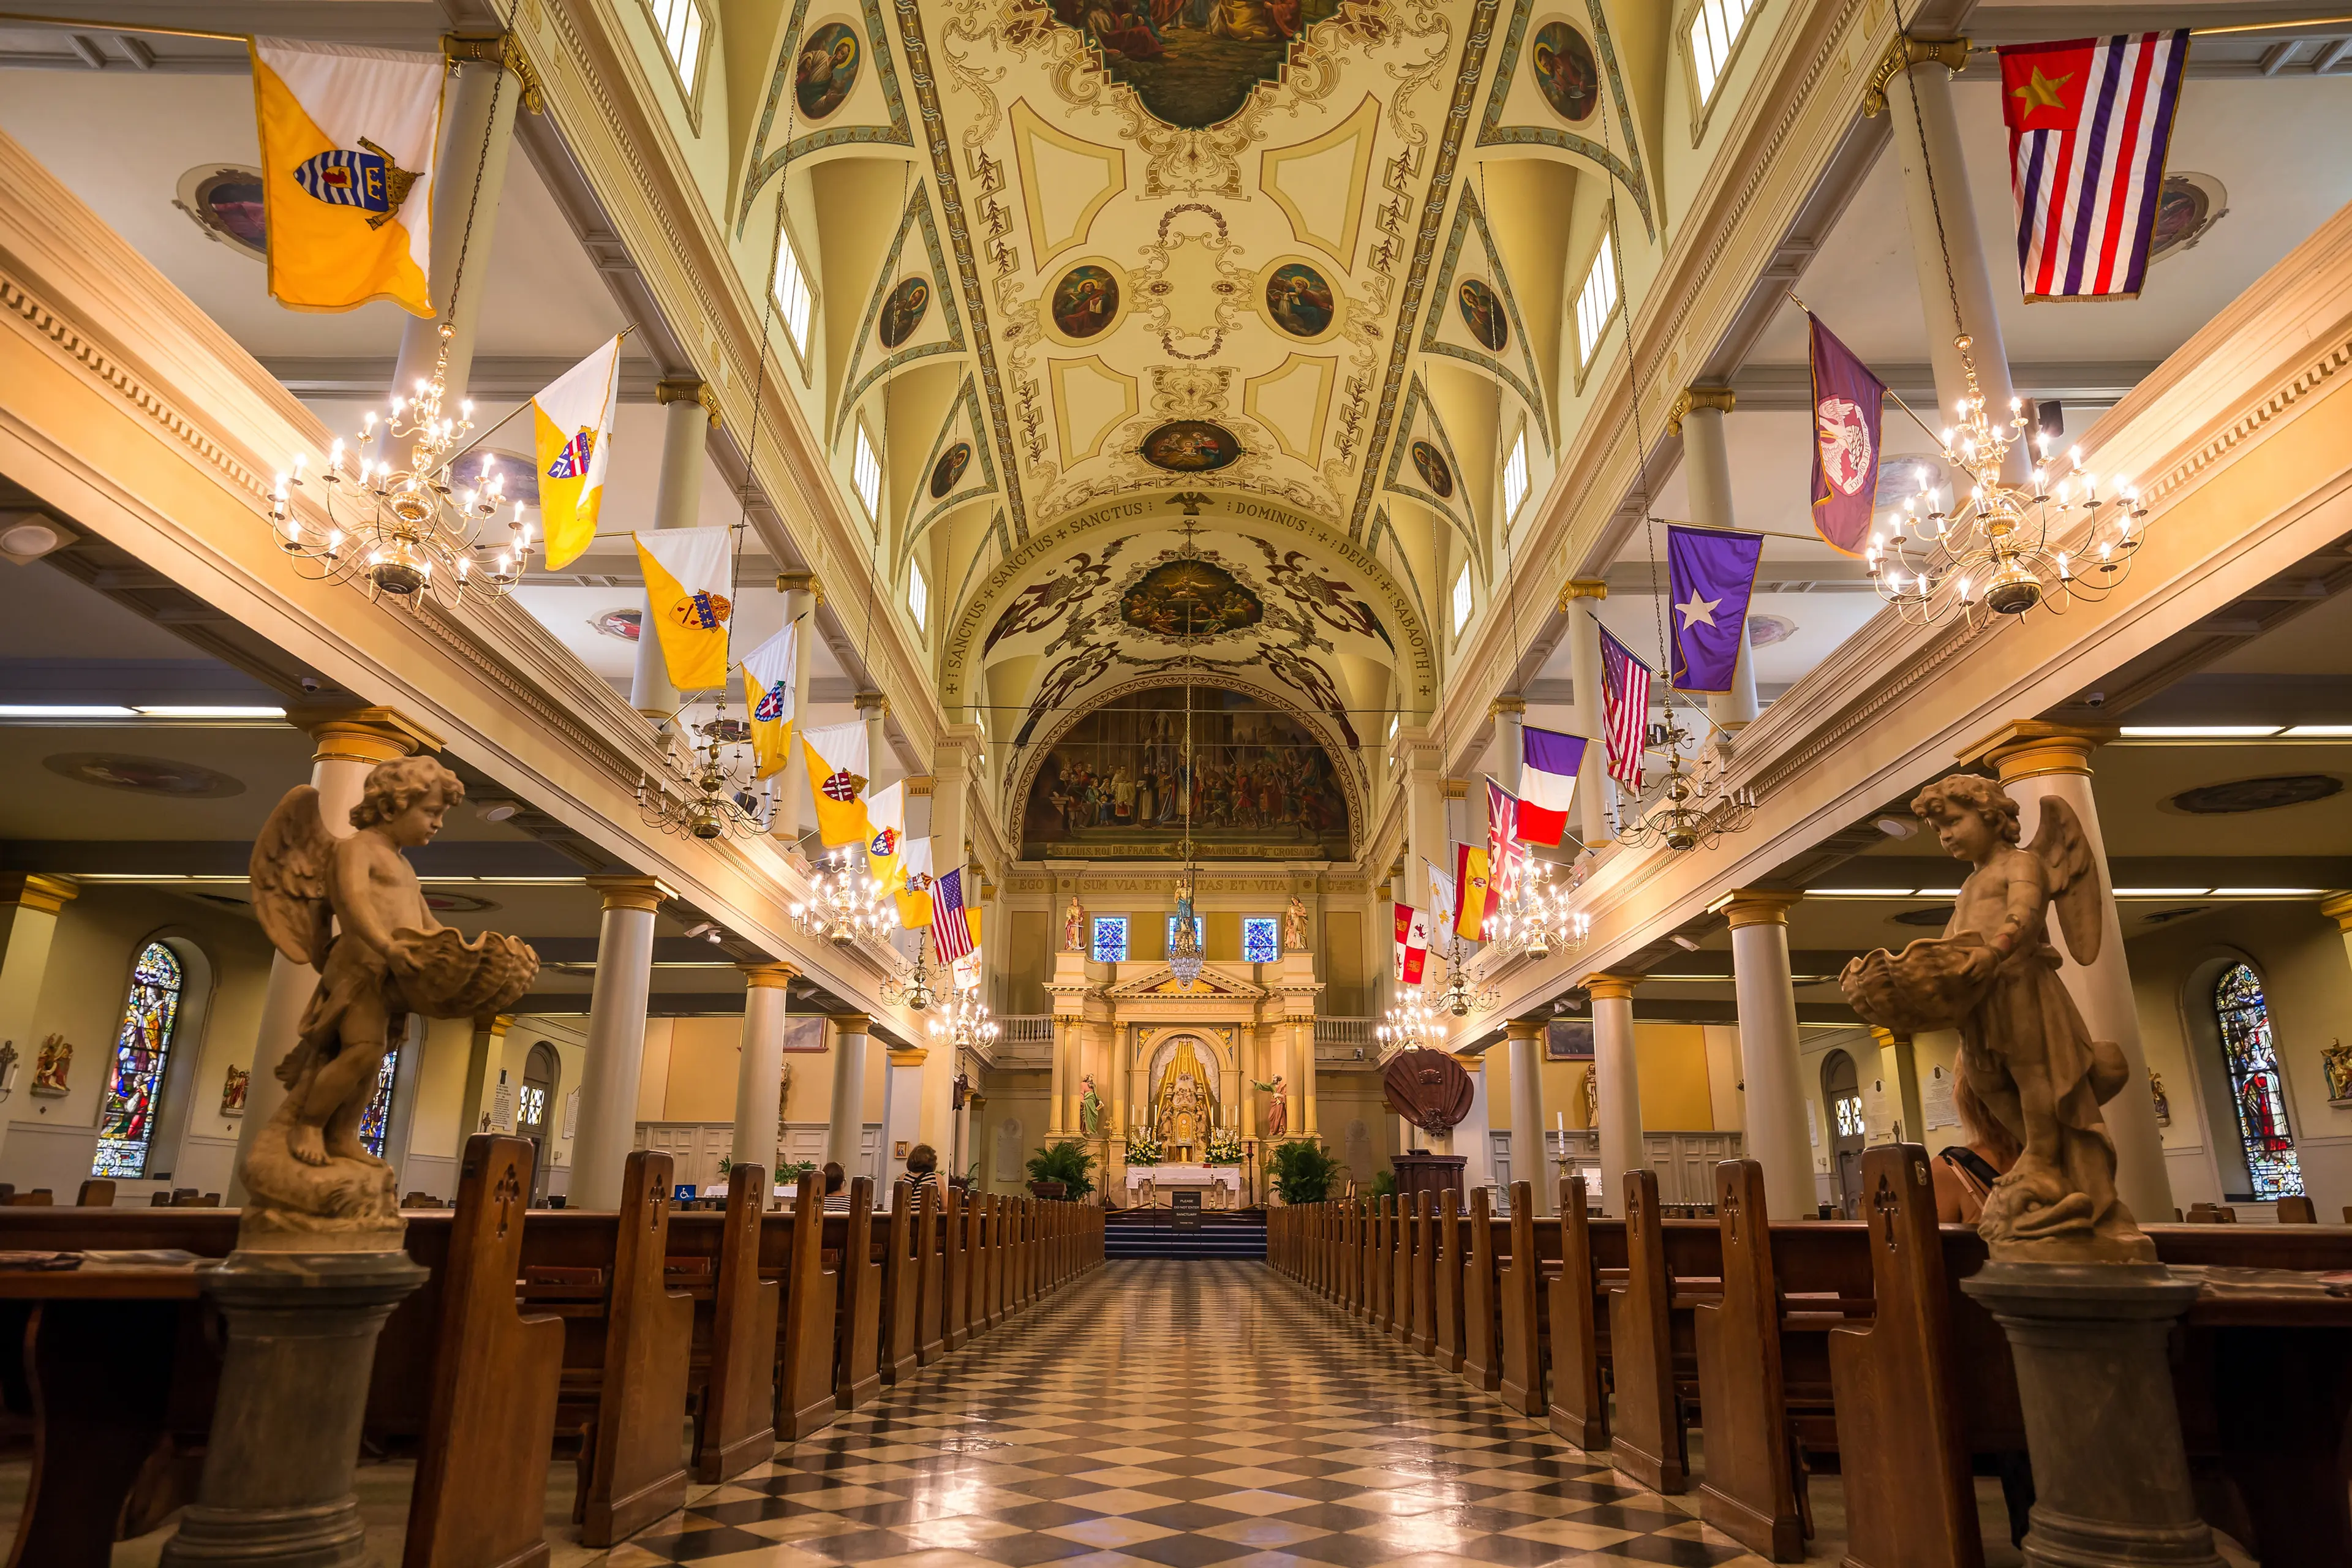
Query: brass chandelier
pixel 913 990
pixel 1693 809
pixel 845 905
pixel 703 794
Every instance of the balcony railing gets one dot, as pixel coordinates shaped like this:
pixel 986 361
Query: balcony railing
pixel 1026 1042
pixel 1345 1040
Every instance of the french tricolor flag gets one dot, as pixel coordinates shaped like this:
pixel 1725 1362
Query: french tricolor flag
pixel 1549 765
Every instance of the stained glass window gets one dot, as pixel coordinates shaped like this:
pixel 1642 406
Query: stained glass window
pixel 2255 1086
pixel 1110 939
pixel 1261 939
pixel 377 1118
pixel 126 1117
pixel 1199 933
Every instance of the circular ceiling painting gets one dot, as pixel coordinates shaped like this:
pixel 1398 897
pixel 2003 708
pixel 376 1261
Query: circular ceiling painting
pixel 1084 301
pixel 1482 313
pixel 521 472
pixel 625 625
pixel 148 776
pixel 1564 70
pixel 2255 795
pixel 902 313
pixel 1763 631
pixel 2186 208
pixel 1189 598
pixel 1191 446
pixel 447 903
pixel 949 468
pixel 1299 298
pixel 224 200
pixel 826 70
pixel 1435 471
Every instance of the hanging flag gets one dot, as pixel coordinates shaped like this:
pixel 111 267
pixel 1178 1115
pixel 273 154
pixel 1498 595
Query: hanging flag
pixel 914 893
pixel 1411 944
pixel 768 697
pixel 964 974
pixel 2089 123
pixel 689 573
pixel 1503 852
pixel 1710 577
pixel 836 776
pixel 1624 709
pixel 1476 888
pixel 571 423
pixel 885 822
pixel 951 935
pixel 1548 763
pixel 1847 402
pixel 348 138
pixel 1441 896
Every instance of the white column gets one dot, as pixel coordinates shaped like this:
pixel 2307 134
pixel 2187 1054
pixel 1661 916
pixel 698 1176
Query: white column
pixel 1619 1072
pixel 677 503
pixel 478 111
pixel 843 1131
pixel 1470 1134
pixel 801 595
pixel 1414 756
pixel 874 708
pixel 1530 1160
pixel 2038 760
pixel 1510 718
pixel 1593 787
pixel 953 759
pixel 1769 1059
pixel 348 746
pixel 1944 224
pixel 1706 466
pixel 760 1075
pixel 1059 1118
pixel 616 1040
pixel 29 905
pixel 902 1106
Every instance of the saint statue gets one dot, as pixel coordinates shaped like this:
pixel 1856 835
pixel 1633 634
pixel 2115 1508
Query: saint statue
pixel 2335 1064
pixel 2024 1049
pixel 1090 1112
pixel 1591 1096
pixel 1277 1107
pixel 1073 926
pixel 1184 1104
pixel 1294 925
pixel 351 909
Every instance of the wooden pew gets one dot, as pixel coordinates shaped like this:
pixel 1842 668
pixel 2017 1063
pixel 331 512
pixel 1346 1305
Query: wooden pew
pixel 1424 1273
pixel 1445 1284
pixel 1383 1264
pixel 857 1324
pixel 735 1425
pixel 791 1248
pixel 955 1268
pixel 937 1233
pixel 97 1192
pixel 1578 1384
pixel 635 1461
pixel 1520 1288
pixel 905 1244
pixel 1482 1348
pixel 1752 1466
pixel 996 1214
pixel 1401 1236
pixel 1649 1441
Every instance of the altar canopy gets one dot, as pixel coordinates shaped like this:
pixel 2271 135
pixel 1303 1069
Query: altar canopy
pixel 1184 1100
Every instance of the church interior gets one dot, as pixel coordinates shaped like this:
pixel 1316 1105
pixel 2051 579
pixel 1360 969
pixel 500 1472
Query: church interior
pixel 971 783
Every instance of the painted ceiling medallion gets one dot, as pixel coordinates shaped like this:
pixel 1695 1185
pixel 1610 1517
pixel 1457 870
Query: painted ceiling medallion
pixel 1193 63
pixel 1190 598
pixel 2256 795
pixel 147 775
pixel 1483 313
pixel 902 313
pixel 625 625
pixel 1300 300
pixel 949 468
pixel 225 201
pixel 1191 446
pixel 1435 471
pixel 826 70
pixel 1562 62
pixel 1085 302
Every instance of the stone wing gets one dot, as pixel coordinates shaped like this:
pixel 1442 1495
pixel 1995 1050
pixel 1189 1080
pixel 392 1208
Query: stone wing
pixel 289 873
pixel 2065 851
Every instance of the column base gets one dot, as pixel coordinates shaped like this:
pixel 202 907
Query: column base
pixel 301 1333
pixel 2110 1471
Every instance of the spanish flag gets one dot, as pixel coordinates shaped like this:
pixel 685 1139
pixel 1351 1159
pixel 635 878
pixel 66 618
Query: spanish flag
pixel 1476 894
pixel 768 697
pixel 914 894
pixel 348 137
pixel 886 839
pixel 571 423
pixel 689 574
pixel 836 774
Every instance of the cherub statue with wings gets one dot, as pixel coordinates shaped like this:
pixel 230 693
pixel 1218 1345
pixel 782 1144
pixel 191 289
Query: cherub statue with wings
pixel 2024 1049
pixel 352 908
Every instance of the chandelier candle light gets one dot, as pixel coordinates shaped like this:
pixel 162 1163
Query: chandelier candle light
pixel 702 794
pixel 846 904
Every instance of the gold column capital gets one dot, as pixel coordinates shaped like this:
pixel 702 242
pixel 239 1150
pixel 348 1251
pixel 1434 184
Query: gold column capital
pixel 1524 1028
pixel 1507 704
pixel 629 891
pixel 34 890
pixel 685 389
pixel 1470 1063
pixel 768 976
pixel 2340 909
pixel 1582 588
pixel 865 699
pixel 1906 54
pixel 1755 906
pixel 493 1023
pixel 498 49
pixel 1888 1037
pixel 917 784
pixel 851 1023
pixel 907 1056
pixel 1607 985
pixel 1720 398
pixel 801 582
pixel 2030 748
pixel 370 735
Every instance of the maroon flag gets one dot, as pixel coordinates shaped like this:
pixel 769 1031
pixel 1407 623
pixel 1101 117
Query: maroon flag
pixel 1846 403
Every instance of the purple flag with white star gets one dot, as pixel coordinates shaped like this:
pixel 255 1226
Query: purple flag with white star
pixel 1710 576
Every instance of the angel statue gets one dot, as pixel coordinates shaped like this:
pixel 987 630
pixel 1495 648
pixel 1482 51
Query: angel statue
pixel 351 909
pixel 1277 1105
pixel 2024 1049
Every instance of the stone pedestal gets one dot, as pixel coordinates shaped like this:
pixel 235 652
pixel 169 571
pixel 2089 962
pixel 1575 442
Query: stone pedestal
pixel 2110 1472
pixel 1431 1173
pixel 302 1330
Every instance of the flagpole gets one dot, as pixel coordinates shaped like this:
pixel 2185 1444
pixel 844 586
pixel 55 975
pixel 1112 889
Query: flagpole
pixel 1890 391
pixel 90 24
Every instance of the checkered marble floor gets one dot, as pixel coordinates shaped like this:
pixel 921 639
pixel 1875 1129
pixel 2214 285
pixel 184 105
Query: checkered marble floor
pixel 1183 1414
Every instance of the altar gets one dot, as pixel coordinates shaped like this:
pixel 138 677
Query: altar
pixel 1150 1186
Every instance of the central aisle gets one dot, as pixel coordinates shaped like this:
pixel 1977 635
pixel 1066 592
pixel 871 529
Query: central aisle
pixel 1181 1415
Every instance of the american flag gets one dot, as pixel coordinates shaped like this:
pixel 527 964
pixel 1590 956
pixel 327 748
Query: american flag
pixel 1625 709
pixel 950 933
pixel 2089 120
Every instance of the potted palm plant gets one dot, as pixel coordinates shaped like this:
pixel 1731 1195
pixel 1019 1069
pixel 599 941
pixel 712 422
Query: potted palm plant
pixel 1061 1171
pixel 1302 1172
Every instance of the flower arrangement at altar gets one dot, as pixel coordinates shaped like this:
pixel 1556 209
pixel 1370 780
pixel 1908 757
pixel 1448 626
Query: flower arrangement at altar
pixel 1225 1147
pixel 1142 1146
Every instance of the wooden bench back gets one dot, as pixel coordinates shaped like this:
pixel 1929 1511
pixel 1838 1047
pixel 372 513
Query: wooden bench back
pixel 1750 1489
pixel 636 1471
pixel 857 1369
pixel 1402 1236
pixel 955 1268
pixel 1445 1283
pixel 1648 1434
pixel 792 1247
pixel 1523 1293
pixel 1578 1406
pixel 901 1271
pixel 1482 1335
pixel 932 1237
pixel 735 1427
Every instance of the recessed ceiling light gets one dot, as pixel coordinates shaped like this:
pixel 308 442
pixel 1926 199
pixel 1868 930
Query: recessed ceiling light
pixel 1897 827
pixel 2197 732
pixel 1686 943
pixel 498 811
pixel 1858 892
pixel 28 539
pixel 2162 893
pixel 2318 732
pixel 210 711
pixel 65 710
pixel 1940 892
pixel 2268 892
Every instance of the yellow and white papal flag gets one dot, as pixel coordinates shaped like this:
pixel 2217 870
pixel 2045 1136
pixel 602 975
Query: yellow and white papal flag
pixel 348 138
pixel 836 776
pixel 689 573
pixel 768 696
pixel 885 836
pixel 572 430
pixel 914 893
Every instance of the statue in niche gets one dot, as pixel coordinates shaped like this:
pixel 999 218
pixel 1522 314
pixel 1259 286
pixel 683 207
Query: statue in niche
pixel 2163 1100
pixel 783 1098
pixel 1294 925
pixel 1278 1106
pixel 1090 1109
pixel 2024 1049
pixel 49 1068
pixel 1590 1095
pixel 352 908
pixel 2335 1062
pixel 1185 1106
pixel 1073 926
pixel 233 1091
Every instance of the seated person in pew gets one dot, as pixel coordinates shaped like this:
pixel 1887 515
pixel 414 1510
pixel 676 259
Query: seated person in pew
pixel 837 1188
pixel 923 1170
pixel 1965 1173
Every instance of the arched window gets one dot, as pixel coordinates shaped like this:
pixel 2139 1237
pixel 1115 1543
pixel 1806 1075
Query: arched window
pixel 2255 1086
pixel 377 1118
pixel 142 1045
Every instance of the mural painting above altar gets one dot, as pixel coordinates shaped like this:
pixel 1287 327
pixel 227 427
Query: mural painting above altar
pixel 1114 784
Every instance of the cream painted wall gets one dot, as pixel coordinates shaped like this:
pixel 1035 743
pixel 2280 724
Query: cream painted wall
pixel 1678 1077
pixel 434 1132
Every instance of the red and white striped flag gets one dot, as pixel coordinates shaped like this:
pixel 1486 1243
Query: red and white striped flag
pixel 1411 944
pixel 2089 120
pixel 1625 709
pixel 950 933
